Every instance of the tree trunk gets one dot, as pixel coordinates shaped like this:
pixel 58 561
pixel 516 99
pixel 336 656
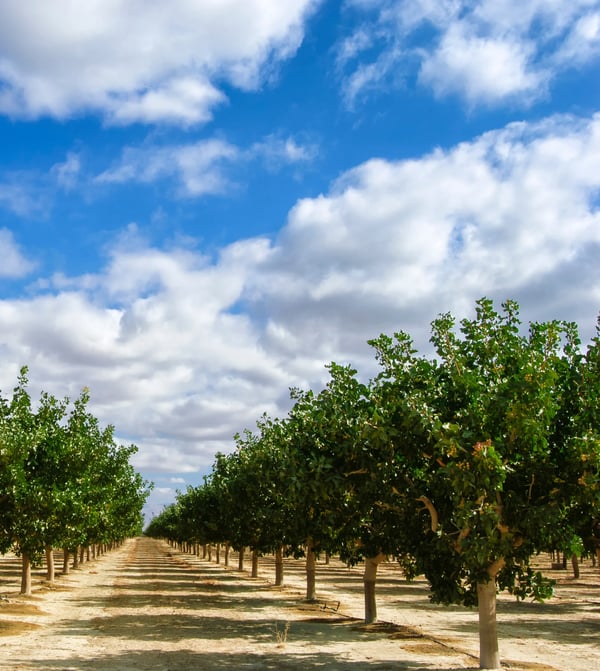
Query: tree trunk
pixel 279 566
pixel 218 553
pixel 254 573
pixel 489 657
pixel 575 565
pixel 241 560
pixel 369 580
pixel 210 553
pixel 65 561
pixel 25 574
pixel 75 558
pixel 49 564
pixel 598 554
pixel 311 571
pixel 226 558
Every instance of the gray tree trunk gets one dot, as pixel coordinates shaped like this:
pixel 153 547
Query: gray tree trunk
pixel 254 573
pixel 369 580
pixel 279 566
pixel 50 572
pixel 575 565
pixel 489 657
pixel 66 568
pixel 311 571
pixel 25 574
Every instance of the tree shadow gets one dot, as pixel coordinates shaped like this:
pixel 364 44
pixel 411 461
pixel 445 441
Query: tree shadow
pixel 184 660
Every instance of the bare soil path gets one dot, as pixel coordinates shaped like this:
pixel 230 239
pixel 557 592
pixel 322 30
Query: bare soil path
pixel 147 607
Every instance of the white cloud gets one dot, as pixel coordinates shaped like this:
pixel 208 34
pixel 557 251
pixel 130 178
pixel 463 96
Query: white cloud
pixel 203 167
pixel 485 70
pixel 278 151
pixel 14 263
pixel 67 173
pixel 583 41
pixel 139 61
pixel 511 214
pixel 197 167
pixel 16 195
pixel 30 193
pixel 487 51
pixel 184 100
pixel 181 351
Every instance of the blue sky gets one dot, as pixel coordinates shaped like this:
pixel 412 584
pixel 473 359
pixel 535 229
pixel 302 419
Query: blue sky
pixel 203 203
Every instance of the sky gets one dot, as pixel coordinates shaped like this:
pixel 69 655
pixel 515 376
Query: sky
pixel 204 202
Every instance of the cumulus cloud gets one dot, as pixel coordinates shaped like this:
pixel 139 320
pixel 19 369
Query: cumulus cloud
pixel 516 208
pixel 182 350
pixel 488 51
pixel 139 61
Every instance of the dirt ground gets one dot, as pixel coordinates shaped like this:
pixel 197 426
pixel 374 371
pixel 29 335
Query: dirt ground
pixel 147 607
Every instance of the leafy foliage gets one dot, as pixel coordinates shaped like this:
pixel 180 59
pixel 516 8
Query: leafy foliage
pixel 63 480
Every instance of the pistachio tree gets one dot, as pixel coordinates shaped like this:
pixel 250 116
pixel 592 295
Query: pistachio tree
pixel 496 479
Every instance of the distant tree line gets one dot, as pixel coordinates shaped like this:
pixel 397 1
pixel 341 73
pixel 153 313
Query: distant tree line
pixel 462 466
pixel 64 481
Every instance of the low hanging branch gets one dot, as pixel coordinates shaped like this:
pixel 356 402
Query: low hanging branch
pixel 432 512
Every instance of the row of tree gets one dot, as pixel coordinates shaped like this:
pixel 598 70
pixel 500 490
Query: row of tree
pixel 64 481
pixel 462 465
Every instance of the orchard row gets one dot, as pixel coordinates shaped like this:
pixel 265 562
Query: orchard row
pixel 462 465
pixel 64 481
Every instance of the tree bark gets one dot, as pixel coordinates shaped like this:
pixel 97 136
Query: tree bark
pixel 279 566
pixel 369 580
pixel 50 572
pixel 489 657
pixel 25 574
pixel 218 553
pixel 254 573
pixel 76 558
pixel 575 565
pixel 311 571
pixel 241 560
pixel 65 562
pixel 226 559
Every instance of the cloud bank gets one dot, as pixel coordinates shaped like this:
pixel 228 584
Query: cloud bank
pixel 134 61
pixel 182 350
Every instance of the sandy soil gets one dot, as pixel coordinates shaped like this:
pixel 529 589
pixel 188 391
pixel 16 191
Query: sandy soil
pixel 148 607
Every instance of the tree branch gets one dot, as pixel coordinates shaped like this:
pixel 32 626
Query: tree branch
pixel 494 568
pixel 432 511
